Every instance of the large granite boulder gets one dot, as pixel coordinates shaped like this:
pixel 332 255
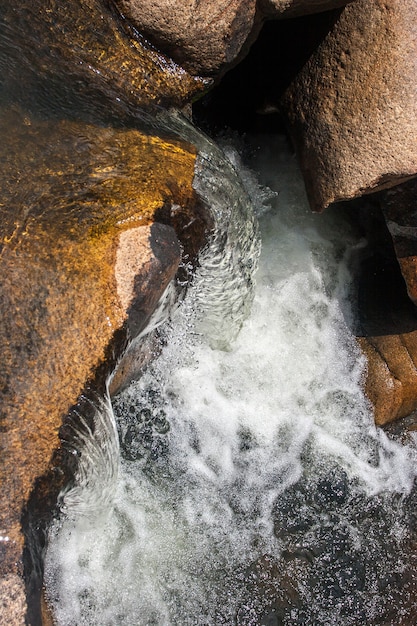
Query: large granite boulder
pixel 83 267
pixel 208 38
pixel 352 109
pixel 203 37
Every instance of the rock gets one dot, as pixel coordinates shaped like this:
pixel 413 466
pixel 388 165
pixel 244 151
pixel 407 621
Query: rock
pixel 78 52
pixel 352 109
pixel 211 37
pixel 83 267
pixel 248 96
pixel 391 379
pixel 204 37
pixel 399 206
pixel 273 589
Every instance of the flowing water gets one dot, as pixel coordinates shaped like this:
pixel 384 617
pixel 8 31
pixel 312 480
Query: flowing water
pixel 253 487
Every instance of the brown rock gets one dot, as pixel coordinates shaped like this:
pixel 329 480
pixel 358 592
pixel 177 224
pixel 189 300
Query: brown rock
pixel 204 37
pixel 399 206
pixel 208 38
pixel 82 268
pixel 391 383
pixel 352 109
pixel 73 51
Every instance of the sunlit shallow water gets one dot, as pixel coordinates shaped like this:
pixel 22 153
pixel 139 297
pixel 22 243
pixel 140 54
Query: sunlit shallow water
pixel 253 487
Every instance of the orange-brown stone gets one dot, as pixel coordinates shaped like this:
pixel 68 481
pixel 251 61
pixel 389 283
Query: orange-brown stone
pixel 210 37
pixel 203 37
pixel 78 50
pixel 81 262
pixel 391 381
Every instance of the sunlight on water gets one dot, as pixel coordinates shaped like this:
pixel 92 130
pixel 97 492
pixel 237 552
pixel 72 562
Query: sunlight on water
pixel 254 488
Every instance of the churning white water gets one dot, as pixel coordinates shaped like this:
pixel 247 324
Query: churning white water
pixel 253 487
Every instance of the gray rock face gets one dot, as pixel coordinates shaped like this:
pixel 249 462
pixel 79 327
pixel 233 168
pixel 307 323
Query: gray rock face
pixel 352 109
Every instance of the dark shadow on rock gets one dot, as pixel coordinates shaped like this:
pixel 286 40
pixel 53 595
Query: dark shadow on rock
pixel 247 98
pixel 383 305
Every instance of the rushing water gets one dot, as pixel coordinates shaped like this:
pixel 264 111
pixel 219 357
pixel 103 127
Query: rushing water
pixel 253 487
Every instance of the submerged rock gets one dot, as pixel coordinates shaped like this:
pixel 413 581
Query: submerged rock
pixel 83 268
pixel 352 108
pixel 80 50
pixel 330 569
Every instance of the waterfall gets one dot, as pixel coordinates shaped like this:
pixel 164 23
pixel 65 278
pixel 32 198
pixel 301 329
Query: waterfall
pixel 253 487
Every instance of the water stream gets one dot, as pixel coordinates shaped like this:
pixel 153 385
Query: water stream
pixel 253 487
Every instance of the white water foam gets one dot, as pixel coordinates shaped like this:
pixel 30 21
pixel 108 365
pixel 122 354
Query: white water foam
pixel 196 506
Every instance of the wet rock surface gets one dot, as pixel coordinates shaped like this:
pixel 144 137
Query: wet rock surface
pixel 391 380
pixel 339 562
pixel 75 199
pixel 204 37
pixel 79 244
pixel 80 51
pixel 13 600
